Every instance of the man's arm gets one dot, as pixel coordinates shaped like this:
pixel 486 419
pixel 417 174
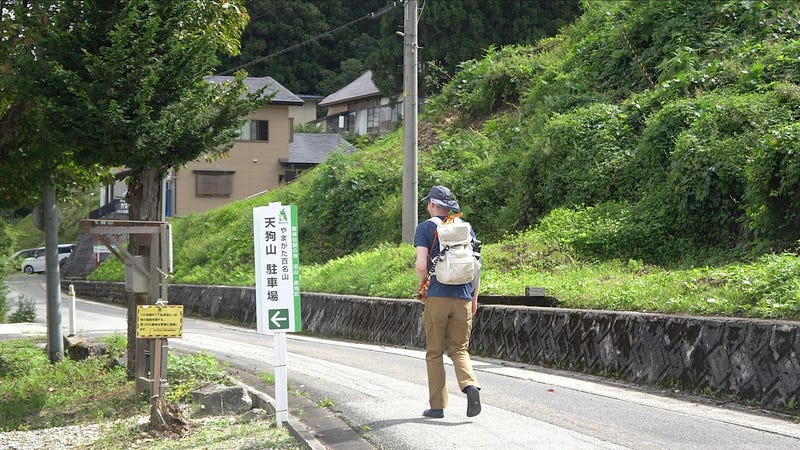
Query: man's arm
pixel 476 283
pixel 422 264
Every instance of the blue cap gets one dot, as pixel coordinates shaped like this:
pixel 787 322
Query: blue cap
pixel 442 196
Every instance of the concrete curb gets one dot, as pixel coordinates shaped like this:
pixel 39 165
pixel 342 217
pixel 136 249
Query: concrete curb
pixel 295 427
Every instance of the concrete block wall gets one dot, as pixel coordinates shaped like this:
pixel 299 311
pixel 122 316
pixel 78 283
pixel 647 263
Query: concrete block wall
pixel 754 359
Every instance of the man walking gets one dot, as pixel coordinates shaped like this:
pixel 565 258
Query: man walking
pixel 447 317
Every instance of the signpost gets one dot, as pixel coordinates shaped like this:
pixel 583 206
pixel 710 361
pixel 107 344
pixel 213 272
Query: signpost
pixel 159 321
pixel 277 262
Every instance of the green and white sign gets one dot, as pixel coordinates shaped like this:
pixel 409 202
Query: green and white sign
pixel 277 268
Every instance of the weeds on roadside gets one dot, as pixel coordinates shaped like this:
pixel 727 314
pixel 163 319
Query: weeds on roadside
pixel 267 377
pixel 25 312
pixel 37 394
pixel 301 394
pixel 115 344
pixel 326 402
pixel 220 433
pixel 190 372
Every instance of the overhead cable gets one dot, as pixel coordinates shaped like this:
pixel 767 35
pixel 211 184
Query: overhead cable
pixel 373 15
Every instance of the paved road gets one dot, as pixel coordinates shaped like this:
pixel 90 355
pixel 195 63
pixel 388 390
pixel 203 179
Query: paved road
pixel 381 391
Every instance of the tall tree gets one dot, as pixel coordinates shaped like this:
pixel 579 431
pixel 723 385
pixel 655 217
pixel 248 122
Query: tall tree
pixel 29 152
pixel 121 83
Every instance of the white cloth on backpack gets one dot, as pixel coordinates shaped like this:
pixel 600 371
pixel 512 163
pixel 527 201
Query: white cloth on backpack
pixel 456 262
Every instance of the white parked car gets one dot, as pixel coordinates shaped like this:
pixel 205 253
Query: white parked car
pixel 35 262
pixel 26 253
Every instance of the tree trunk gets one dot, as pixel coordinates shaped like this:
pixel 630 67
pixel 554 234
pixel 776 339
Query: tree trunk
pixel 144 194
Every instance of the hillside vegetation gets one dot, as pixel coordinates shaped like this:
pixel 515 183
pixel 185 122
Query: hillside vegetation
pixel 645 158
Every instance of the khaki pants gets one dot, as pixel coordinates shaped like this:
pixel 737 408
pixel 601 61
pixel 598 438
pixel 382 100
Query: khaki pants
pixel 447 322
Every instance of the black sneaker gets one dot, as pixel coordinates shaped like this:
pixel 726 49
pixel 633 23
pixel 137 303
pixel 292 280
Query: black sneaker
pixel 473 401
pixel 433 413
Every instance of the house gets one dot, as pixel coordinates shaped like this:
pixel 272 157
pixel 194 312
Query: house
pixel 251 166
pixel 309 149
pixel 308 112
pixel 359 108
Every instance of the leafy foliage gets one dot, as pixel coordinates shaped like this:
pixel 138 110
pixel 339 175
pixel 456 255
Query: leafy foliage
pixel 364 273
pixel 353 202
pixel 30 149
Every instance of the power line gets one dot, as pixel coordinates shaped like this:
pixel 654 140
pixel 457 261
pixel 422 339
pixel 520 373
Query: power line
pixel 373 15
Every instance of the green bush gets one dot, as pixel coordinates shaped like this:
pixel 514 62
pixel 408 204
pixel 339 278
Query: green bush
pixel 580 158
pixel 353 202
pixel 25 312
pixel 386 271
pixel 7 244
pixel 191 372
pixel 774 186
pixel 110 270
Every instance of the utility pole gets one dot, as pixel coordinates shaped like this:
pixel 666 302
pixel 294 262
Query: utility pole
pixel 410 147
pixel 55 344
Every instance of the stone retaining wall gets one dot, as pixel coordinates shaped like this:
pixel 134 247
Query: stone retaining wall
pixel 754 359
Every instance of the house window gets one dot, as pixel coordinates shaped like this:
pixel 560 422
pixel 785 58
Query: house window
pixel 350 122
pixel 213 183
pixel 291 129
pixel 255 130
pixel 373 119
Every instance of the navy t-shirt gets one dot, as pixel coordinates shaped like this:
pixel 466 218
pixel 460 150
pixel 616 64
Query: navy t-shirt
pixel 423 237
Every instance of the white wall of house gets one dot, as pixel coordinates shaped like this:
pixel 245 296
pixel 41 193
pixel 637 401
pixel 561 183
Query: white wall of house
pixel 306 113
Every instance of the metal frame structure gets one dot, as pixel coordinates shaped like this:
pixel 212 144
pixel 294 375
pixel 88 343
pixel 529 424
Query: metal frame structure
pixel 142 275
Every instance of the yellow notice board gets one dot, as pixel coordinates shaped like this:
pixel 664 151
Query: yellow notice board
pixel 159 321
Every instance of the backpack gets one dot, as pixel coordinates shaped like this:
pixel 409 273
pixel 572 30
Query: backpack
pixel 457 261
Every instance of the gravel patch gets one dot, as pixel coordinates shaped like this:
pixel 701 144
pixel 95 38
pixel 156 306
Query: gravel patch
pixel 60 438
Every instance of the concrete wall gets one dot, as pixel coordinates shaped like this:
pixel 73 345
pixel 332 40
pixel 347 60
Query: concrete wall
pixel 753 359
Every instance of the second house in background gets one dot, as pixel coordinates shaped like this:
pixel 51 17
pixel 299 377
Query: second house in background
pixel 360 109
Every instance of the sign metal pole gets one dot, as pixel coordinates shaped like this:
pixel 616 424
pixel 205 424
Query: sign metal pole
pixel 158 356
pixel 281 379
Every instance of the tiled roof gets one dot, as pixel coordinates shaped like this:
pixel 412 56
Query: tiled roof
pixel 359 88
pixel 314 148
pixel 282 96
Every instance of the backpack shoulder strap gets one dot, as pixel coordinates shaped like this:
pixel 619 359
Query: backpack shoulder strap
pixel 453 218
pixel 438 222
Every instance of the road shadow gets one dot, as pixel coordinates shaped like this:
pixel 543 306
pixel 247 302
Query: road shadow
pixel 381 424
